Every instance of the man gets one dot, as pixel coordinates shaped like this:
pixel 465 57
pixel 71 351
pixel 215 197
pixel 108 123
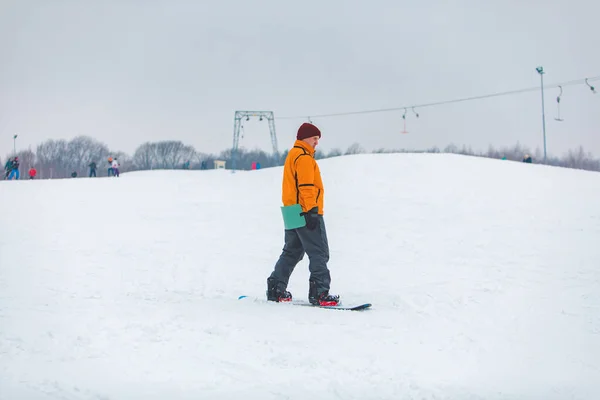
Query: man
pixel 92 166
pixel 110 168
pixel 115 167
pixel 302 185
pixel 14 169
pixel 7 168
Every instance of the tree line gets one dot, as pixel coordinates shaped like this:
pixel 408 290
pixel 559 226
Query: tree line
pixel 60 158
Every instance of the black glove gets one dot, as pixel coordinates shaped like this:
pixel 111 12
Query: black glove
pixel 312 218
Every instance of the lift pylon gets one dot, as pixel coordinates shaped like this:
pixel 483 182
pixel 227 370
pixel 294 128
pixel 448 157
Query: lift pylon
pixel 239 116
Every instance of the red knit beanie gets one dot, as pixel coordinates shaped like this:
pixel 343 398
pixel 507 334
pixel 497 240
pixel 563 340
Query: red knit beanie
pixel 307 130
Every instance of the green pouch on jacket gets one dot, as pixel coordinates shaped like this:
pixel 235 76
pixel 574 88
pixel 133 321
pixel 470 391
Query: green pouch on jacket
pixel 292 218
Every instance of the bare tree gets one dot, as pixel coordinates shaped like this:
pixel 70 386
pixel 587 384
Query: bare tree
pixel 518 152
pixel 580 159
pixel 355 148
pixel 493 153
pixel 82 150
pixel 27 160
pixel 172 154
pixel 388 151
pixel 144 157
pixel 334 153
pixel 466 150
pixel 52 156
pixel 245 159
pixel 199 158
pixel 181 154
pixel 451 148
pixel 283 156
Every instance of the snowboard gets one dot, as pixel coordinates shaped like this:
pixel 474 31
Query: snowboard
pixel 304 303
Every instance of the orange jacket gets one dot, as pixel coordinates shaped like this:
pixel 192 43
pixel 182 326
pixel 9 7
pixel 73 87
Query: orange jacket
pixel 302 182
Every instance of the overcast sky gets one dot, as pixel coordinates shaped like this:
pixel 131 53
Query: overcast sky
pixel 130 71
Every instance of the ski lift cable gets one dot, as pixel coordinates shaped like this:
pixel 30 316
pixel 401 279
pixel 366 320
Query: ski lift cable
pixel 460 100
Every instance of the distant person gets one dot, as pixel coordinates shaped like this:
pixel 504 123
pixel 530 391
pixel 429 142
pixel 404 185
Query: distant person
pixel 186 165
pixel 74 174
pixel 203 165
pixel 302 185
pixel 92 166
pixel 32 173
pixel 110 169
pixel 7 168
pixel 14 169
pixel 527 159
pixel 115 167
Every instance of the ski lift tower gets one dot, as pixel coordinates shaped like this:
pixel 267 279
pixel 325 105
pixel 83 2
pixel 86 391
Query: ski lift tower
pixel 239 116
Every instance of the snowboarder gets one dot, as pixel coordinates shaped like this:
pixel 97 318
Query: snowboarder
pixel 7 168
pixel 32 173
pixel 302 185
pixel 14 169
pixel 92 166
pixel 110 169
pixel 115 167
pixel 527 159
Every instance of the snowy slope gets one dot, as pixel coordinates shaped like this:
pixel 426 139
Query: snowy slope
pixel 484 275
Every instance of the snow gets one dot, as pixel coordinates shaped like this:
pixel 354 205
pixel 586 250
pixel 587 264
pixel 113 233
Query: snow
pixel 484 277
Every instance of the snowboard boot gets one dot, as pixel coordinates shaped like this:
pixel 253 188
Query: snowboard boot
pixel 275 292
pixel 324 299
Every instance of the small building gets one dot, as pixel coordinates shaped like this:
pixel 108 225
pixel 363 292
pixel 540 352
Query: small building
pixel 219 164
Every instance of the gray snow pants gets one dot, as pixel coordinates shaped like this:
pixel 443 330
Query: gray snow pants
pixel 300 241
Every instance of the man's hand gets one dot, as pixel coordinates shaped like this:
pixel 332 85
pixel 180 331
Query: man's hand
pixel 312 218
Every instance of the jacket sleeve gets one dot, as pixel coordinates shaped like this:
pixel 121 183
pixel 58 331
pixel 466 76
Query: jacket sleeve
pixel 305 171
